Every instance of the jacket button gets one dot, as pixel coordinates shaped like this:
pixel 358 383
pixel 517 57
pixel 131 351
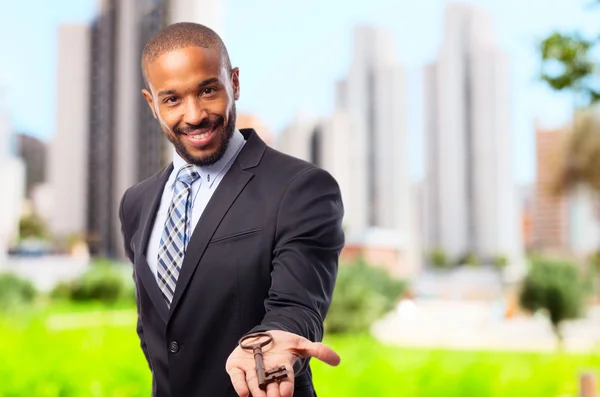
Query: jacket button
pixel 174 347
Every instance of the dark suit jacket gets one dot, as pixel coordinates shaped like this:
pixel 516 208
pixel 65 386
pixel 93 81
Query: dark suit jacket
pixel 263 256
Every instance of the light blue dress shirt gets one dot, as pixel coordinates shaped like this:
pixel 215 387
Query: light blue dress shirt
pixel 202 190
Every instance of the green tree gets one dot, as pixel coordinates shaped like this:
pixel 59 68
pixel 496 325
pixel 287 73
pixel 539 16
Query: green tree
pixel 557 289
pixel 31 226
pixel 570 64
pixel 363 294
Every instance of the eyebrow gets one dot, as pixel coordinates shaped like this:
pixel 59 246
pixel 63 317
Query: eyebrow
pixel 212 80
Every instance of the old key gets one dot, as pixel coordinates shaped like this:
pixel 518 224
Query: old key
pixel 264 377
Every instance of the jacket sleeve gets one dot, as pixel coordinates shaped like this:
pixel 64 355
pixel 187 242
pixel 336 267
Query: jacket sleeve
pixel 308 241
pixel 130 256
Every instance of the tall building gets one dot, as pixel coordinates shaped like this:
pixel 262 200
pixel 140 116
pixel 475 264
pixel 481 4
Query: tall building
pixel 206 12
pixel 373 97
pixel 363 145
pixel 33 151
pixel 67 166
pixel 12 175
pixel 471 196
pixel 550 209
pixel 245 120
pixel 126 144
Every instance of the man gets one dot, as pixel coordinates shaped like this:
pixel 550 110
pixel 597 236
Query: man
pixel 230 239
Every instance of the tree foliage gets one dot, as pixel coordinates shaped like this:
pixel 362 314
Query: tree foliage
pixel 569 63
pixel 557 289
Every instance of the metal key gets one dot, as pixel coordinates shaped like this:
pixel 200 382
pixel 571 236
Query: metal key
pixel 264 377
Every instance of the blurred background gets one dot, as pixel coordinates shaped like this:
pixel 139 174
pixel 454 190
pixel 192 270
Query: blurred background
pixel 465 137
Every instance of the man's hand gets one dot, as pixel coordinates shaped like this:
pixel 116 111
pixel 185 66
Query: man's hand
pixel 285 349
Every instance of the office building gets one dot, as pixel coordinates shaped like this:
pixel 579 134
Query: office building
pixel 363 144
pixel 67 165
pixel 471 195
pixel 12 175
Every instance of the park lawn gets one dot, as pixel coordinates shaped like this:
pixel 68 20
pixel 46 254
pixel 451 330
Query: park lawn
pixel 86 351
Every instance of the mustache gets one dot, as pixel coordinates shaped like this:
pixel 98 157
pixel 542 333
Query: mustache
pixel 205 124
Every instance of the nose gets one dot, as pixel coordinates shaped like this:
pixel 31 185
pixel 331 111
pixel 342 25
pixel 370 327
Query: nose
pixel 194 112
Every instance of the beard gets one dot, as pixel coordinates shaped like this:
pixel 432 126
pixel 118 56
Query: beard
pixel 224 131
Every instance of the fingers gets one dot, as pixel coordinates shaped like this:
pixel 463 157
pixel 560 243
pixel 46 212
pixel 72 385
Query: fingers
pixel 319 351
pixel 252 382
pixel 273 390
pixel 238 380
pixel 286 387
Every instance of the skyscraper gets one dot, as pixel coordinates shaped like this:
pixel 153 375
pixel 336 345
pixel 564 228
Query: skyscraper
pixel 206 12
pixel 550 217
pixel 125 142
pixel 471 195
pixel 363 145
pixel 67 166
pixel 12 175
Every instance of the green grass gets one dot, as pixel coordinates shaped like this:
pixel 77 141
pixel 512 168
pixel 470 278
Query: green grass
pixel 372 369
pixel 51 353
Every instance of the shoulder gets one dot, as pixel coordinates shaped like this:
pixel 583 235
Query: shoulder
pixel 137 193
pixel 286 168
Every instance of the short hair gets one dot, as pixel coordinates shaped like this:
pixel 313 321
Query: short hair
pixel 181 35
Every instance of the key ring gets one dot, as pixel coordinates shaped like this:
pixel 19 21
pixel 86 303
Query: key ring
pixel 255 345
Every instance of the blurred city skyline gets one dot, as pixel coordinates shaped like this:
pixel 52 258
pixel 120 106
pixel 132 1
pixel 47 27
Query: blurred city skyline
pixel 279 58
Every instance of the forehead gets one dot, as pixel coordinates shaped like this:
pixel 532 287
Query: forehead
pixel 185 64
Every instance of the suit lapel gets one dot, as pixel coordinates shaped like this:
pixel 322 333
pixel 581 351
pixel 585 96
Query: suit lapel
pixel 149 209
pixel 224 196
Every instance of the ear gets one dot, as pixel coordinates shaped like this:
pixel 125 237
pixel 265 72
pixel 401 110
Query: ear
pixel 235 81
pixel 148 96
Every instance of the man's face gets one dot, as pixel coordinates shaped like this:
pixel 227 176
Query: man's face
pixel 193 97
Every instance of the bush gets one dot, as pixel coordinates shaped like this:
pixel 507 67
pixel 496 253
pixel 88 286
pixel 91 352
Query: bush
pixel 15 291
pixel 555 287
pixel 363 294
pixel 439 259
pixel 103 282
pixel 500 261
pixel 468 259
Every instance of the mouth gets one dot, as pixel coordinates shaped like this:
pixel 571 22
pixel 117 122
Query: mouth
pixel 201 137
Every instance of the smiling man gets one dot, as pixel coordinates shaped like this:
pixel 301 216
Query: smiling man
pixel 231 239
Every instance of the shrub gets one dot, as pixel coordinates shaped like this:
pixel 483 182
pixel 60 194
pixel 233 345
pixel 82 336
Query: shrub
pixel 32 226
pixel 468 259
pixel 103 282
pixel 438 259
pixel 15 291
pixel 363 294
pixel 500 261
pixel 555 287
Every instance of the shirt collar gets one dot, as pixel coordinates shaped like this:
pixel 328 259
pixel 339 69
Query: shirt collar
pixel 209 173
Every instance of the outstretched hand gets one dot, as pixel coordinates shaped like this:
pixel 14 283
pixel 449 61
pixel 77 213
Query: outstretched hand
pixel 285 349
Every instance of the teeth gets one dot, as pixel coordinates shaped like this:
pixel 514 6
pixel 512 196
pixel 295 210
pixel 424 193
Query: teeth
pixel 199 136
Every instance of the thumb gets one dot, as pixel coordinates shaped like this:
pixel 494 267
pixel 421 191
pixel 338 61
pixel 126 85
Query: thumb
pixel 319 351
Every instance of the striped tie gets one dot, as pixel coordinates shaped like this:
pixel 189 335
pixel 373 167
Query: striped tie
pixel 176 233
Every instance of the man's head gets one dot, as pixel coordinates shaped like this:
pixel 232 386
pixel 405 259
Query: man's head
pixel 191 89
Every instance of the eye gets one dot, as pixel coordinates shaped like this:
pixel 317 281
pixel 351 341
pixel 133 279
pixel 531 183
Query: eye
pixel 208 91
pixel 171 99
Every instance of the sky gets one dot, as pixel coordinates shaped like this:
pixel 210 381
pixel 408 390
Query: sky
pixel 291 53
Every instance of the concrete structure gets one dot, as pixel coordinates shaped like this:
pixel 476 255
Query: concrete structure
pixel 206 12
pixel 363 145
pixel 104 124
pixel 471 195
pixel 128 145
pixel 245 120
pixel 33 151
pixel 12 175
pixel 583 230
pixel 68 151
pixel 550 209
